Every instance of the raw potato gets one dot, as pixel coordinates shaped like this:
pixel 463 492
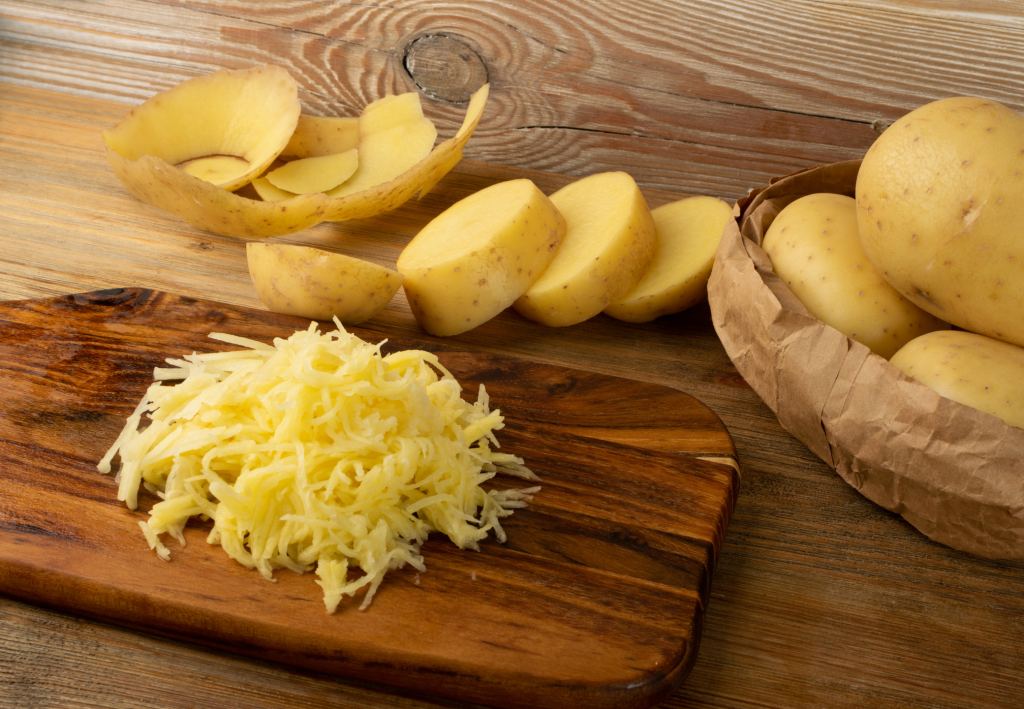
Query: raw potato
pixel 688 232
pixel 205 206
pixel 390 111
pixel 386 154
pixel 475 258
pixel 972 369
pixel 317 284
pixel 814 248
pixel 317 174
pixel 322 135
pixel 196 124
pixel 609 242
pixel 268 192
pixel 941 214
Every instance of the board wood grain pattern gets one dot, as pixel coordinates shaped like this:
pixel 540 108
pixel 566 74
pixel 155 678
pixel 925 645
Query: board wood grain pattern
pixel 596 599
pixel 820 598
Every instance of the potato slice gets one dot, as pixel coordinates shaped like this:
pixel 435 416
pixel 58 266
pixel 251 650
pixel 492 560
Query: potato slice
pixel 203 205
pixel 974 370
pixel 225 128
pixel 474 259
pixel 268 192
pixel 317 284
pixel 322 135
pixel 688 232
pixel 390 111
pixel 386 154
pixel 609 242
pixel 319 174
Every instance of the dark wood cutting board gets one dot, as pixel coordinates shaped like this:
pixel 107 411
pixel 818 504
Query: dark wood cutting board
pixel 596 599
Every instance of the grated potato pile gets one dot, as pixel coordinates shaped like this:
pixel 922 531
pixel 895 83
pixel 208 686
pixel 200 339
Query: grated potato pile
pixel 316 452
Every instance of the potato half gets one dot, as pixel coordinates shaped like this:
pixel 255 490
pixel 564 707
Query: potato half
pixel 974 370
pixel 317 284
pixel 225 128
pixel 688 232
pixel 609 242
pixel 157 182
pixel 474 259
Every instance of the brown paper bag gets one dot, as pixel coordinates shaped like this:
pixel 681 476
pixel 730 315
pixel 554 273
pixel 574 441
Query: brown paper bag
pixel 955 473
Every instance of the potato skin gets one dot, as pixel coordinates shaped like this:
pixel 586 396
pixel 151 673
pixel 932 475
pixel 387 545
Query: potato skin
pixel 814 248
pixel 317 284
pixel 941 215
pixel 971 369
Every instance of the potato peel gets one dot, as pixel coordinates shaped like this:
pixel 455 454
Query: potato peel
pixel 206 206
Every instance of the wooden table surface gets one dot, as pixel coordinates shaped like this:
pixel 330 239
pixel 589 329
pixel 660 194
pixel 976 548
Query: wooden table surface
pixel 820 598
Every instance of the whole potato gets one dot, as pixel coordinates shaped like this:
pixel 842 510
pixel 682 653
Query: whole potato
pixel 972 369
pixel 940 204
pixel 814 248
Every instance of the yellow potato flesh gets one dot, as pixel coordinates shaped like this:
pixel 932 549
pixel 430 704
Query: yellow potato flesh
pixel 386 154
pixel 390 111
pixel 322 135
pixel 609 242
pixel 971 369
pixel 318 174
pixel 205 206
pixel 317 284
pixel 247 116
pixel 814 247
pixel 688 232
pixel 941 214
pixel 474 259
pixel 268 192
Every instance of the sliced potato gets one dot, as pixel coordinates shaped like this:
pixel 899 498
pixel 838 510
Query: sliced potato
pixel 317 284
pixel 268 192
pixel 322 135
pixel 688 232
pixel 390 111
pixel 319 174
pixel 974 370
pixel 474 259
pixel 203 205
pixel 608 244
pixel 386 154
pixel 226 127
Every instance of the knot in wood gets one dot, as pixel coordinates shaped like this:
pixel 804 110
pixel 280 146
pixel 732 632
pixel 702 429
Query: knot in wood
pixel 444 66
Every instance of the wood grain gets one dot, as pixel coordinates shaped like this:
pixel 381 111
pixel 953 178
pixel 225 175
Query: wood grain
pixel 820 598
pixel 595 600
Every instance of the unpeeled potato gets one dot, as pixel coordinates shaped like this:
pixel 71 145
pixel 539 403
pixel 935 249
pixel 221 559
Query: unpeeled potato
pixel 608 244
pixel 688 232
pixel 474 259
pixel 317 284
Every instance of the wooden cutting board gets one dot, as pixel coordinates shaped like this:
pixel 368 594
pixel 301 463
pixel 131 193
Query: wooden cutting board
pixel 595 600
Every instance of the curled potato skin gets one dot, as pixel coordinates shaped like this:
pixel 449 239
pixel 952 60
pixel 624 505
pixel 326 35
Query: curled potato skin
pixel 214 209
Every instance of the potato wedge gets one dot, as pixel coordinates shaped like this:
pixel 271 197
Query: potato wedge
pixel 317 284
pixel 155 181
pixel 688 232
pixel 474 259
pixel 225 128
pixel 317 174
pixel 608 244
pixel 322 135
pixel 974 370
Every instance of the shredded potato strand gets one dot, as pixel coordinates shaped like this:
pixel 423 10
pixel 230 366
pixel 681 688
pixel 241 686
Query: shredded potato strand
pixel 316 453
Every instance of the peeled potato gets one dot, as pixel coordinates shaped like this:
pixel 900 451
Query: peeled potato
pixel 153 180
pixel 815 248
pixel 385 154
pixel 688 232
pixel 317 284
pixel 608 244
pixel 225 128
pixel 317 174
pixel 390 111
pixel 268 192
pixel 974 370
pixel 322 135
pixel 474 259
